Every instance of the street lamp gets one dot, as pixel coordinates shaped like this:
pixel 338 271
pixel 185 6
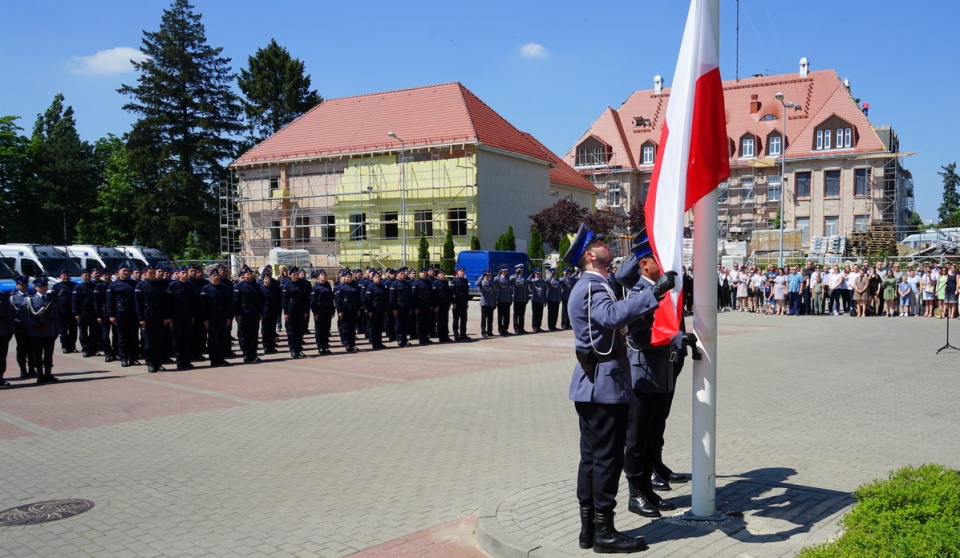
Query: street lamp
pixel 783 165
pixel 403 200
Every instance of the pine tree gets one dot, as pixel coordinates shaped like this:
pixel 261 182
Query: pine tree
pixel 13 162
pixel 276 90
pixel 449 259
pixel 474 242
pixel 423 251
pixel 951 198
pixel 189 118
pixel 111 222
pixel 564 245
pixel 509 241
pixel 535 251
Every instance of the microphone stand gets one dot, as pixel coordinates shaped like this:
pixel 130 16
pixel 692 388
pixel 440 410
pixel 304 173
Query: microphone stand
pixel 948 345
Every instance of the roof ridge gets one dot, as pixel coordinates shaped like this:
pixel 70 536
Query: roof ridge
pixel 376 93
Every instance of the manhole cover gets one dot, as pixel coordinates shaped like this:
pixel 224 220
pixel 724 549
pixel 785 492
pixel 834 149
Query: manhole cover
pixel 42 512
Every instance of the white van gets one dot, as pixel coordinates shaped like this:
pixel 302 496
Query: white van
pixel 140 256
pixel 92 256
pixel 38 260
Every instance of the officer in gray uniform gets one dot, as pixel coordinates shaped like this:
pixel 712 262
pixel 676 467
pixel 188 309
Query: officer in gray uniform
pixel 566 285
pixel 488 301
pixel 520 298
pixel 553 300
pixel 538 297
pixel 504 290
pixel 601 388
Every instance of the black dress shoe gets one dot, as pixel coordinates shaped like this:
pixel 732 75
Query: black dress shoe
pixel 270 351
pixel 124 363
pixel 251 359
pixel 224 363
pixel 151 369
pixel 660 503
pixel 668 475
pixel 657 482
pixel 641 505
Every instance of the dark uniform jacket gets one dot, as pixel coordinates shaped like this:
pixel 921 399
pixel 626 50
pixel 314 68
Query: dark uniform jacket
pixel 376 298
pixel 182 299
pixel 461 290
pixel 347 299
pixel 63 291
pixel 84 300
pixel 215 304
pixel 422 291
pixel 321 300
pixel 43 318
pixel 247 299
pixel 151 301
pixel 401 296
pixel 442 293
pixel 295 300
pixel 7 316
pixel 120 301
pixel 651 368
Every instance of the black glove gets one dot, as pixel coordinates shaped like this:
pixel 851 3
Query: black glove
pixel 665 284
pixel 690 339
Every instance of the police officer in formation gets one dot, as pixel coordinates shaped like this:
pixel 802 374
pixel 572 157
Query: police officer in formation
pixel 346 297
pixel 521 296
pixel 553 300
pixel 460 302
pixel 216 310
pixel 272 298
pixel 323 307
pixel 401 306
pixel 83 308
pixel 538 298
pixel 109 343
pixel 422 291
pixel 248 309
pixel 183 308
pixel 295 304
pixel 43 327
pixel 376 301
pixel 566 285
pixel 150 298
pixel 7 326
pixel 504 290
pixel 442 298
pixel 122 312
pixel 488 302
pixel 62 292
pixel 28 368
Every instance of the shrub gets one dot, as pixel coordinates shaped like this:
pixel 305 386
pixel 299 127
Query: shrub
pixel 915 512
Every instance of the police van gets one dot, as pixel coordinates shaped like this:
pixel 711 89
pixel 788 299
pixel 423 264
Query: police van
pixel 93 256
pixel 141 256
pixel 38 260
pixel 7 279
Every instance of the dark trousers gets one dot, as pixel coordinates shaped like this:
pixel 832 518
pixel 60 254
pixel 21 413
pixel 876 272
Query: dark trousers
pixel 642 446
pixel 486 320
pixel 603 431
pixel 390 324
pixel 401 322
pixel 68 332
pixel 218 340
pixel 200 335
pixel 553 310
pixel 268 330
pixel 375 321
pixel 443 322
pixel 89 332
pixel 423 324
pixel 348 329
pixel 295 330
pixel 42 348
pixel 503 317
pixel 24 354
pixel 249 341
pixel 153 342
pixel 109 338
pixel 127 337
pixel 564 317
pixel 4 347
pixel 519 316
pixel 460 319
pixel 537 321
pixel 321 330
pixel 793 303
pixel 183 339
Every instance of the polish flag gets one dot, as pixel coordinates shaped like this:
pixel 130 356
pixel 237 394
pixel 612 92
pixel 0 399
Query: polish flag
pixel 693 157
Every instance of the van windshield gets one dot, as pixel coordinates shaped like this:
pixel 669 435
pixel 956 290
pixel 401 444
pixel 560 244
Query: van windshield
pixel 114 263
pixel 6 272
pixel 53 266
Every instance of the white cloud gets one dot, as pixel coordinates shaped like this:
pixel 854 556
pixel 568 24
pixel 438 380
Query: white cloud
pixel 110 61
pixel 533 50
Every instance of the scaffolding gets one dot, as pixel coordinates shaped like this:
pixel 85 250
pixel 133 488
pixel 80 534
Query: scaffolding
pixel 352 210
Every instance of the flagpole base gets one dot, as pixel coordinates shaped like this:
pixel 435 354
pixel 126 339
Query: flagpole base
pixel 718 517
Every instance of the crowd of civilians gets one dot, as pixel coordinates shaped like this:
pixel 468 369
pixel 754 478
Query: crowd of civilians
pixel 924 290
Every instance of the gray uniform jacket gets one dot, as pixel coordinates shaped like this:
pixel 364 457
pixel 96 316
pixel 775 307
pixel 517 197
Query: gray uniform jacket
pixel 520 290
pixel 488 293
pixel 504 288
pixel 651 369
pixel 538 294
pixel 612 382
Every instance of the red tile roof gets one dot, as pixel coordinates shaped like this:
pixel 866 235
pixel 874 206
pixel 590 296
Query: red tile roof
pixel 563 173
pixel 820 94
pixel 425 116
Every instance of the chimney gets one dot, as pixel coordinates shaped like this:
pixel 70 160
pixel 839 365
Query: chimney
pixel 754 104
pixel 657 85
pixel 804 67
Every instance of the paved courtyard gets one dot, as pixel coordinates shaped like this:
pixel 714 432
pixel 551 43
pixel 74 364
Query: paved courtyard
pixel 465 449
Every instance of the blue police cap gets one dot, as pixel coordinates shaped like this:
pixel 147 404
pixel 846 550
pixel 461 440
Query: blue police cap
pixel 484 272
pixel 536 270
pixel 345 272
pixel 267 270
pixel 123 266
pixel 578 245
pixel 461 268
pixel 63 272
pixel 321 272
pixel 502 267
pixel 181 268
pixel 148 267
pixel 293 269
pixel 566 269
pixel 423 270
pixel 40 281
pixel 441 271
pixel 641 244
pixel 357 270
pixel 245 269
pixel 22 280
pixel 196 267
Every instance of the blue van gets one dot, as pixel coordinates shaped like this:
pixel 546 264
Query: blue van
pixel 475 261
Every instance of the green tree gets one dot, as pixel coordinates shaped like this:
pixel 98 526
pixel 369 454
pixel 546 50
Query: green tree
pixel 423 251
pixel 535 251
pixel 509 240
pixel 276 90
pixel 110 221
pixel 13 162
pixel 474 242
pixel 564 246
pixel 189 118
pixel 951 198
pixel 449 258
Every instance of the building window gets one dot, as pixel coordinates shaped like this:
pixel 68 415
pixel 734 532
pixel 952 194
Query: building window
pixel 803 184
pixel 747 226
pixel 274 184
pixel 358 226
pixel 457 221
pixel 389 225
pixel 831 183
pixel 847 137
pixel 301 229
pixel 613 194
pixel 746 147
pixel 746 190
pixel 723 192
pixel 803 223
pixel 275 233
pixel 831 226
pixel 860 222
pixel 644 188
pixel 773 188
pixel 826 139
pixel 773 147
pixel 423 223
pixel 647 155
pixel 861 182
pixel 819 139
pixel 592 155
pixel 844 137
pixel 328 228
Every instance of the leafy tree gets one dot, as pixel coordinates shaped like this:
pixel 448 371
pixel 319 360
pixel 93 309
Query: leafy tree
pixel 636 219
pixel 423 251
pixel 13 162
pixel 448 260
pixel 276 90
pixel 110 221
pixel 604 222
pixel 951 198
pixel 563 217
pixel 509 240
pixel 564 246
pixel 188 120
pixel 474 242
pixel 535 251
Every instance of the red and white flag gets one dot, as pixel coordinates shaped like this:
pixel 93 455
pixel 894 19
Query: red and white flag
pixel 693 157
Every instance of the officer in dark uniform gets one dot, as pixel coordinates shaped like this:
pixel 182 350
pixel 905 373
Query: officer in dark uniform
pixel 272 298
pixel 195 273
pixel 109 338
pixel 122 311
pixel 504 289
pixel 215 314
pixel 553 300
pixel 295 304
pixel 422 290
pixel 401 305
pixel 443 297
pixel 389 321
pixel 538 297
pixel 376 302
pixel 521 296
pixel 183 303
pixel 461 301
pixel 488 302
pixel 63 292
pixel 164 278
pixel 566 285
pixel 601 389
pixel 7 325
pixel 347 300
pixel 248 306
pixel 43 326
pixel 321 303
pixel 28 368
pixel 153 314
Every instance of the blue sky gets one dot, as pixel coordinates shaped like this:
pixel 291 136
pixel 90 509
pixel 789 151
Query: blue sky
pixel 549 67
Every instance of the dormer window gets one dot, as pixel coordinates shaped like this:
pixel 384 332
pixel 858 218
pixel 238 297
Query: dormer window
pixel 768 117
pixel 641 122
pixel 648 153
pixel 774 145
pixel 834 133
pixel 747 146
pixel 593 153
